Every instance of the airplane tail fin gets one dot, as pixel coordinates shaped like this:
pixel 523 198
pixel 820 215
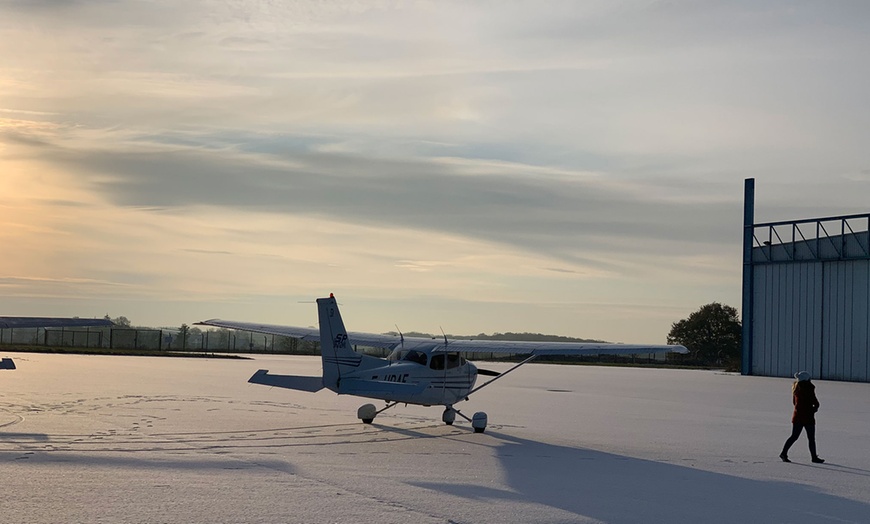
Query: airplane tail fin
pixel 335 349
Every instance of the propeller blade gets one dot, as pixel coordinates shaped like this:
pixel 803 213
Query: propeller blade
pixel 487 372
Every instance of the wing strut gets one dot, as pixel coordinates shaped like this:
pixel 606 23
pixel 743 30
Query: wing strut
pixel 488 382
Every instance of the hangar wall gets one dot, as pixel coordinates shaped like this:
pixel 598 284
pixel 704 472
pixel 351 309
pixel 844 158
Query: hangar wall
pixel 812 316
pixel 806 303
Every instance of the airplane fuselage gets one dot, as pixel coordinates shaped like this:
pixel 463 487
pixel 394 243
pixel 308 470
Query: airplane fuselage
pixel 412 377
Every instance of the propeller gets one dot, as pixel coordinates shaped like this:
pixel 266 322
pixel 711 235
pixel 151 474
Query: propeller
pixel 487 372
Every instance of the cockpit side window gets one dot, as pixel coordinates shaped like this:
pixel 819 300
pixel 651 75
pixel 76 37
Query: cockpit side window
pixel 416 356
pixel 448 361
pixel 437 362
pixel 454 360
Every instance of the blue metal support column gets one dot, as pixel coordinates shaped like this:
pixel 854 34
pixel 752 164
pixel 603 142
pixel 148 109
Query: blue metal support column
pixel 746 310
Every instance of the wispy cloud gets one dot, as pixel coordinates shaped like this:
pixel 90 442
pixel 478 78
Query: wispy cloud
pixel 529 207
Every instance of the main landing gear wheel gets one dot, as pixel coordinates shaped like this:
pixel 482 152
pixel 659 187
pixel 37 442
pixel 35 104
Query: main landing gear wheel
pixel 367 413
pixel 478 421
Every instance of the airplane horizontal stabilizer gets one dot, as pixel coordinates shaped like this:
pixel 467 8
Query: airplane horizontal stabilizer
pixel 7 363
pixel 310 384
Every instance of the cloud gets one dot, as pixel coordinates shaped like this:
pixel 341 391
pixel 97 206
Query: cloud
pixel 535 208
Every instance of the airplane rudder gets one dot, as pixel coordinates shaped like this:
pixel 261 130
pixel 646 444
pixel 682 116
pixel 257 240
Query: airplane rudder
pixel 330 318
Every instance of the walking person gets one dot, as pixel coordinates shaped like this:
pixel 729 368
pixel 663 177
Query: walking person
pixel 804 416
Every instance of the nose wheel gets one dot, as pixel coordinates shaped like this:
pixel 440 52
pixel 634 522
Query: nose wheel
pixel 478 421
pixel 449 416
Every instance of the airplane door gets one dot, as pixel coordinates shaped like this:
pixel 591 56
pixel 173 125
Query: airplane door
pixel 438 364
pixel 452 377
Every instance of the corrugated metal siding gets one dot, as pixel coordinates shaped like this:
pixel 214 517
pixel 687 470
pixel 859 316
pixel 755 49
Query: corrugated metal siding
pixel 860 322
pixel 847 308
pixel 812 316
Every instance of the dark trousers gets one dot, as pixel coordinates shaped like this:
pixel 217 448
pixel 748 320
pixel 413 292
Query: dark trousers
pixel 796 432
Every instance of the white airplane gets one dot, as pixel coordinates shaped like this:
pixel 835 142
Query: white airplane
pixel 424 371
pixel 44 322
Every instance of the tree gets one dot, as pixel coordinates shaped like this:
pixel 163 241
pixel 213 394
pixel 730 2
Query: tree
pixel 121 321
pixel 181 338
pixel 194 338
pixel 712 335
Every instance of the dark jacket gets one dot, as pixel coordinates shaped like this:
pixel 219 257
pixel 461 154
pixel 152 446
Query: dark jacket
pixel 805 403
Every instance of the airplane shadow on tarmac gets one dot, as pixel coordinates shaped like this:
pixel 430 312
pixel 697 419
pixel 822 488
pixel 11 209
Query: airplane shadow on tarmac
pixel 588 483
pixel 615 488
pixel 37 437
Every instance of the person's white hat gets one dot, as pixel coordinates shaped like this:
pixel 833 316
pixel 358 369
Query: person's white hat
pixel 801 376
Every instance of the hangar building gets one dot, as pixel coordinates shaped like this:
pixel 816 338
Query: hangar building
pixel 806 295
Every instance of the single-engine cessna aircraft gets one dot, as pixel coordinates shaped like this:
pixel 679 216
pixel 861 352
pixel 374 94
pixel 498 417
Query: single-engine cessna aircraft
pixel 44 322
pixel 425 371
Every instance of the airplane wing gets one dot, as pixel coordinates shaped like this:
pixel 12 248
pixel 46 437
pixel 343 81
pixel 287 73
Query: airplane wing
pixel 466 346
pixel 43 322
pixel 553 348
pixel 306 333
pixel 535 349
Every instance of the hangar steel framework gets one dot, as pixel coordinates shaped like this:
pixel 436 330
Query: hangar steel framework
pixel 806 295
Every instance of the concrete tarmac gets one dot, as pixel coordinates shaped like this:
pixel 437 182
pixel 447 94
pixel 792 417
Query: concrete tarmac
pixel 138 439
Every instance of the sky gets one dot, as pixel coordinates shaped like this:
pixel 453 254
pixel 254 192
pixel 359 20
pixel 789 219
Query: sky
pixel 570 168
